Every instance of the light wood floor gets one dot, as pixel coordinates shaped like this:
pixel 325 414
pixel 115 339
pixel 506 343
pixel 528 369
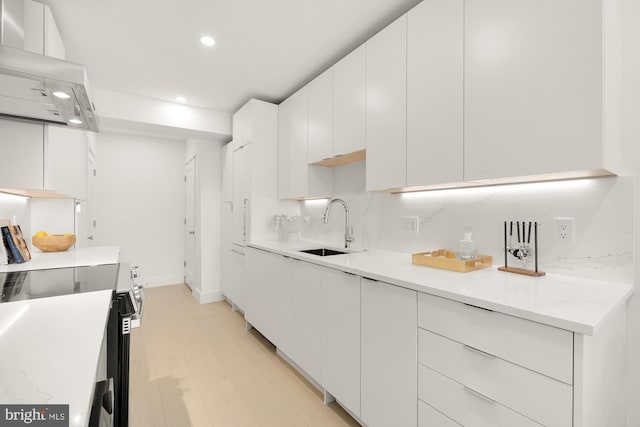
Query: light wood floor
pixel 197 365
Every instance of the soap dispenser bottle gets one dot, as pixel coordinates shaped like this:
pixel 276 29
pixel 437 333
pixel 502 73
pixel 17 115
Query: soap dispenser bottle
pixel 466 247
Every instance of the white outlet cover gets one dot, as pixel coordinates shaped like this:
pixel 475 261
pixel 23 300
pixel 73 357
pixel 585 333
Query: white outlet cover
pixel 412 224
pixel 563 233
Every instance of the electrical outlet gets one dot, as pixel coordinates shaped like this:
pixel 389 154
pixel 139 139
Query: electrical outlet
pixel 412 224
pixel 563 233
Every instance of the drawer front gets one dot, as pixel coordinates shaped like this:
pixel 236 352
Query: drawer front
pixel 539 347
pixel 463 405
pixel 429 417
pixel 529 393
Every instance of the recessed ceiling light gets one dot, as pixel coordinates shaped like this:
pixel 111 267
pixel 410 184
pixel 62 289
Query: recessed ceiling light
pixel 75 121
pixel 181 99
pixel 207 40
pixel 61 95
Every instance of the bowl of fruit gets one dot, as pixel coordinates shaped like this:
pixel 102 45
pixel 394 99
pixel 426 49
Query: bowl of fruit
pixel 53 242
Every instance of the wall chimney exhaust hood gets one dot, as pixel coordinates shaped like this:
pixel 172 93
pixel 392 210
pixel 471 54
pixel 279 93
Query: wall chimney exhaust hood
pixel 39 88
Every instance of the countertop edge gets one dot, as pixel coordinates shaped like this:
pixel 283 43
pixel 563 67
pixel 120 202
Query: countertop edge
pixel 577 326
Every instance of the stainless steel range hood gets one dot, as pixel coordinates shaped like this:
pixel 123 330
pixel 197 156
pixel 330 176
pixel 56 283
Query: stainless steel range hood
pixel 39 88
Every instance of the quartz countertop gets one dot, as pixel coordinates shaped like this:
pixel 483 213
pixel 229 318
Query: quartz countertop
pixel 71 258
pixel 50 351
pixel 571 303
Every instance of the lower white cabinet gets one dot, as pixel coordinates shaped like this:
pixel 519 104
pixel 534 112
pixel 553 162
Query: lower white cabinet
pixel 268 296
pixel 306 316
pixel 341 337
pixel 237 275
pixel 389 361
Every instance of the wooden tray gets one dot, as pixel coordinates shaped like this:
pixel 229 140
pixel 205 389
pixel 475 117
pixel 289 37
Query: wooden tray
pixel 447 260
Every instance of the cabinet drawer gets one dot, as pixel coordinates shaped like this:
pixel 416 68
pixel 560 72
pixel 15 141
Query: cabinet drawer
pixel 464 405
pixel 429 417
pixel 539 347
pixel 536 396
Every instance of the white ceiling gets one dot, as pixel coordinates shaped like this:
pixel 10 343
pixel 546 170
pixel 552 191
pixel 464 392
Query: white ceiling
pixel 264 48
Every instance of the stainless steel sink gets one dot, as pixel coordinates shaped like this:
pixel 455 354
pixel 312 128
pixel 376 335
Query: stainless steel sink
pixel 324 252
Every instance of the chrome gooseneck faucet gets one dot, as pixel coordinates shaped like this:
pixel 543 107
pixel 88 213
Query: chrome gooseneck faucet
pixel 348 231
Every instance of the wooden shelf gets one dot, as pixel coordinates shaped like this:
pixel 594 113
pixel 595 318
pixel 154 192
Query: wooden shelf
pixel 343 159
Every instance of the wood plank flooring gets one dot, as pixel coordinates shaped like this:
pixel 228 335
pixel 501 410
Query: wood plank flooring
pixel 197 365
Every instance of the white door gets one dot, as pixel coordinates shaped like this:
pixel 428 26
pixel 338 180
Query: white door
pixel 190 222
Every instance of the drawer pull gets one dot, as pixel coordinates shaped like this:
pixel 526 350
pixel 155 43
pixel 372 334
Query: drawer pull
pixel 478 395
pixel 479 308
pixel 480 352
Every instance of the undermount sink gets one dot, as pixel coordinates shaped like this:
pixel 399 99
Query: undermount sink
pixel 324 252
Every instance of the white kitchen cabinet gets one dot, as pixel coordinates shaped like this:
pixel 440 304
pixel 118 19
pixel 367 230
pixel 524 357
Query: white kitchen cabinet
pixel 388 355
pixel 47 158
pixel 236 289
pixel 306 318
pixel 534 98
pixel 320 117
pixel 435 36
pixel 22 150
pixel 66 161
pixel 480 367
pixel 227 174
pixel 241 198
pixel 386 129
pixel 254 174
pixel 296 178
pixel 268 297
pixel 349 103
pixel 341 337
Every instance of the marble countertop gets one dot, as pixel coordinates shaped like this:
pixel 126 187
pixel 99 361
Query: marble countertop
pixel 570 303
pixel 70 258
pixel 50 351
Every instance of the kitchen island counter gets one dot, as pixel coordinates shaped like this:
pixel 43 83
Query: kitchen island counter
pixel 51 350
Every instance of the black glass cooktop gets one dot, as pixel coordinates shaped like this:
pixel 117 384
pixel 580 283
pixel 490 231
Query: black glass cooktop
pixel 24 285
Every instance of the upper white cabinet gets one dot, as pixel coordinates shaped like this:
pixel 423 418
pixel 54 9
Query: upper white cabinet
pixel 47 158
pixel 66 161
pixel 23 167
pixel 389 355
pixel 349 103
pixel 386 128
pixel 297 179
pixel 337 112
pixel 255 182
pixel 534 82
pixel 435 93
pixel 320 120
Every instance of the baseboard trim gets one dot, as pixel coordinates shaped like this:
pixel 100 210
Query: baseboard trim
pixel 207 297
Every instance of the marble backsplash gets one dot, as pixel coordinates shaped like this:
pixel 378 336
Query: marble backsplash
pixel 603 210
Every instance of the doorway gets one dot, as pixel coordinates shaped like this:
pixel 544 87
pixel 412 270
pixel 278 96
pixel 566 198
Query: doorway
pixel 190 223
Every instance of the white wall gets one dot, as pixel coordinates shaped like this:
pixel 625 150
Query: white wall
pixel 602 208
pixel 208 199
pixel 55 216
pixel 631 150
pixel 140 198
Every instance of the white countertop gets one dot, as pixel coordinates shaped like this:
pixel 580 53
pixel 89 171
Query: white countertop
pixel 50 351
pixel 70 258
pixel 570 303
